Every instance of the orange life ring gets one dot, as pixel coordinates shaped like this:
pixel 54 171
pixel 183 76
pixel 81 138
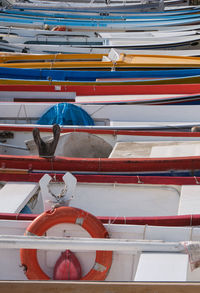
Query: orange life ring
pixel 60 215
pixel 61 28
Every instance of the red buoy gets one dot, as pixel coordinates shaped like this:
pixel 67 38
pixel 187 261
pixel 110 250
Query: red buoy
pixel 67 267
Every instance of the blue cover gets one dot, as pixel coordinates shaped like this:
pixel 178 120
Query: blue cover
pixel 66 114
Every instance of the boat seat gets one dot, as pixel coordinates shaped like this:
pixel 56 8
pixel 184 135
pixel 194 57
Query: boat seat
pixel 176 150
pixel 76 144
pixel 189 200
pixel 155 149
pixel 14 196
pixel 162 267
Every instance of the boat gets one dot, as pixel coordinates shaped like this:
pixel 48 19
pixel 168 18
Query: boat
pixel 95 75
pixel 126 157
pixel 145 245
pixel 31 93
pixel 106 115
pixel 114 61
pixel 173 40
pixel 15 136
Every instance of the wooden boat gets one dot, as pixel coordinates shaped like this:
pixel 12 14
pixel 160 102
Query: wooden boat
pixel 15 135
pixel 125 99
pixel 125 157
pixel 152 244
pixel 162 42
pixel 129 113
pixel 172 11
pixel 100 76
pixel 102 17
pixel 116 99
pixel 96 7
pixel 39 32
pixel 148 81
pixel 10 19
pixel 163 201
pixel 110 28
pixel 30 93
pixel 108 115
pixel 125 61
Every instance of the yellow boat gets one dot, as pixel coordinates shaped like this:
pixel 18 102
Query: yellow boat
pixel 78 61
pixel 184 80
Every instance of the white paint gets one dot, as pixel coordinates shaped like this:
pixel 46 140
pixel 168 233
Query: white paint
pixel 189 200
pixel 165 267
pixel 14 196
pixel 126 200
pixel 177 150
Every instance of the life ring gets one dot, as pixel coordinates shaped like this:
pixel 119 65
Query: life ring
pixel 61 28
pixel 60 215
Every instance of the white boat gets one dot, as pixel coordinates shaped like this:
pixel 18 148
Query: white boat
pixel 28 32
pixel 92 7
pixel 164 43
pixel 146 253
pixel 127 116
pixel 43 49
pixel 17 140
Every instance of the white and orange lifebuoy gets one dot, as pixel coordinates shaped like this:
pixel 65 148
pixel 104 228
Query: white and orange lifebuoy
pixel 57 216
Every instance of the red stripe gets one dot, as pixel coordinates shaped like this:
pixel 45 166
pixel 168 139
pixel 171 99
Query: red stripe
pixel 100 164
pixel 88 90
pixel 166 180
pixel 178 221
pixel 18 128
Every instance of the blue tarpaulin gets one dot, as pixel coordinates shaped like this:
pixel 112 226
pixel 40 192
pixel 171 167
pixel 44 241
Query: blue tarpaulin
pixel 65 114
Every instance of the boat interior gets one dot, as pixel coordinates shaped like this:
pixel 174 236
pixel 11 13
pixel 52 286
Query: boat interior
pixel 121 200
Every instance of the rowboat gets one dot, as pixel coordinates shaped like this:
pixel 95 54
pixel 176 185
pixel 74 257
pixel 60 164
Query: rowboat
pixel 123 157
pixel 96 7
pixel 178 42
pixel 124 62
pixel 109 99
pixel 14 137
pixel 100 76
pixel 83 75
pixel 103 82
pixel 29 93
pixel 128 115
pixel 104 17
pixel 155 201
pixel 153 42
pixel 147 245
pixel 126 157
pixel 109 28
pixel 10 19
pixel 175 10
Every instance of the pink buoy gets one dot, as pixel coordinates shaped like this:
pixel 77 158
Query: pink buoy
pixel 67 267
